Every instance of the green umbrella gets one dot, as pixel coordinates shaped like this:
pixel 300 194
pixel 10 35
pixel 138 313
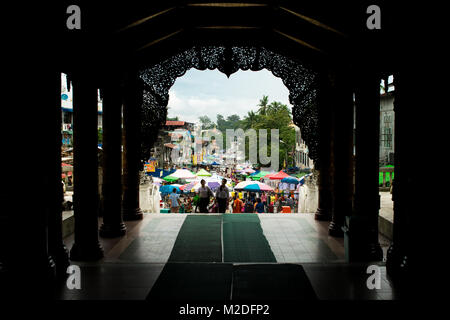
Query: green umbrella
pixel 259 175
pixel 170 179
pixel 203 173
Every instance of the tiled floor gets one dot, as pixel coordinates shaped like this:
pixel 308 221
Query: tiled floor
pixel 298 238
pixel 133 263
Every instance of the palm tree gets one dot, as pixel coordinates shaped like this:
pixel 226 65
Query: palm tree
pixel 250 119
pixel 263 105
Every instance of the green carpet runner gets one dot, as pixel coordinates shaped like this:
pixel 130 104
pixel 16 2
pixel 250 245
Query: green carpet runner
pixel 193 281
pixel 243 239
pixel 199 240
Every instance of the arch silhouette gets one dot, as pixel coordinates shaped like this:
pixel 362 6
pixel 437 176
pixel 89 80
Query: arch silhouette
pixel 300 80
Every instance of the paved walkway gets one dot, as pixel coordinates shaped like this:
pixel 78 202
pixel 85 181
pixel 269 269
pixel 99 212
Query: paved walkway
pixel 386 206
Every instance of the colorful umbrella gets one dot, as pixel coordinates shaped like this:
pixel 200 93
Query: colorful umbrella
pixel 203 173
pixel 196 185
pixel 169 188
pixel 183 174
pixel 169 178
pixel 302 179
pixel 259 175
pixel 157 180
pixel 290 180
pixel 277 176
pixel 253 186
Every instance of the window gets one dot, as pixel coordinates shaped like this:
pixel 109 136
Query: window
pixel 67 117
pixel 387 137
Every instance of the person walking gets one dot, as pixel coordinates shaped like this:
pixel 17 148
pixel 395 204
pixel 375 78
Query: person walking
pixel 204 193
pixel 248 206
pixel 237 204
pixel 264 200
pixel 290 203
pixel 223 196
pixel 259 207
pixel 174 203
pixel 195 202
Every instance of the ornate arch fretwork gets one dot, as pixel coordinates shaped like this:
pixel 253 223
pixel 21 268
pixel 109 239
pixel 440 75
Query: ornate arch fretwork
pixel 159 78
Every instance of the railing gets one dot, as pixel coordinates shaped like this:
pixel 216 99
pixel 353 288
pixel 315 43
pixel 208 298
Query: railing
pixel 387 172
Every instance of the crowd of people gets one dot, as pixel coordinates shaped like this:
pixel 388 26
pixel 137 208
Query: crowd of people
pixel 222 200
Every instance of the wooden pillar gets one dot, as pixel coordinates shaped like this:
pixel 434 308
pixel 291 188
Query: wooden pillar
pixel 55 193
pixel 113 225
pixel 25 260
pixel 324 162
pixel 342 195
pixel 404 190
pixel 363 225
pixel 85 171
pixel 131 164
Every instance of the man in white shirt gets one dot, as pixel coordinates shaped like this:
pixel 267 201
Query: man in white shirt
pixel 223 196
pixel 204 193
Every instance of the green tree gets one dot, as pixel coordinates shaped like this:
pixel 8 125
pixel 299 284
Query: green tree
pixel 233 121
pixel 275 115
pixel 263 103
pixel 206 123
pixel 249 120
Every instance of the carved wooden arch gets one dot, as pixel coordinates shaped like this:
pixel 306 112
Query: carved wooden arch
pixel 301 82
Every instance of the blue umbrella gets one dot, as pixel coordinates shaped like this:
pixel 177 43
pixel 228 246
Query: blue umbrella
pixel 302 179
pixel 169 188
pixel 290 180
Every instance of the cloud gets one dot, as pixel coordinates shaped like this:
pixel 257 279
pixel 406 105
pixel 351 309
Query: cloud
pixel 209 93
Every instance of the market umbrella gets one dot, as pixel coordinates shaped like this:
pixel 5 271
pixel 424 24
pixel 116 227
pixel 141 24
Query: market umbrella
pixel 169 178
pixel 182 174
pixel 157 180
pixel 212 184
pixel 277 176
pixel 203 173
pixel 253 186
pixel 259 175
pixel 302 179
pixel 249 170
pixel 290 180
pixel 169 189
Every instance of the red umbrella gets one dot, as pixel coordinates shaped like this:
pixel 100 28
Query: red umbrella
pixel 277 176
pixel 69 173
pixel 65 164
pixel 63 175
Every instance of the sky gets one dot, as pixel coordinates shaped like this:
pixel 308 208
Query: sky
pixel 210 92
